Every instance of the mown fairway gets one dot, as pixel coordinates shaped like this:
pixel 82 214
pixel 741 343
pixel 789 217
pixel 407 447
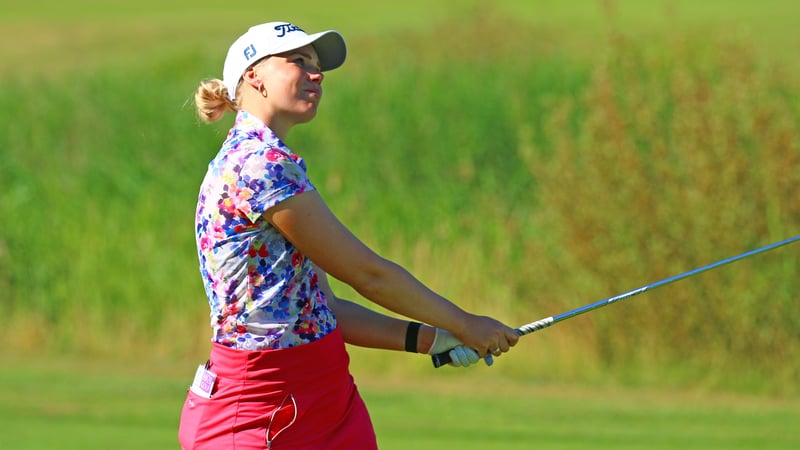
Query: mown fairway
pixel 522 159
pixel 68 404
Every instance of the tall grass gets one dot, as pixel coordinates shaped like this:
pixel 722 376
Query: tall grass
pixel 674 159
pixel 515 180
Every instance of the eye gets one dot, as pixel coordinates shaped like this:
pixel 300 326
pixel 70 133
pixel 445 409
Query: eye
pixel 304 62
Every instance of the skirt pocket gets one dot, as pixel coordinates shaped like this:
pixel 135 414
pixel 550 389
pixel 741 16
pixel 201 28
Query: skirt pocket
pixel 193 416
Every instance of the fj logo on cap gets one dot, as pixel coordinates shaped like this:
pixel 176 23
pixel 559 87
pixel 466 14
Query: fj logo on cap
pixel 249 52
pixel 286 28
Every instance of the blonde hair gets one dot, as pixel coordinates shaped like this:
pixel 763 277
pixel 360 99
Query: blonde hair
pixel 212 101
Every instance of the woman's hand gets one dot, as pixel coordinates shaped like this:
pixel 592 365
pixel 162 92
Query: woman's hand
pixel 460 355
pixel 486 336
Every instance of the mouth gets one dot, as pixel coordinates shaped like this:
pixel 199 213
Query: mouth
pixel 314 92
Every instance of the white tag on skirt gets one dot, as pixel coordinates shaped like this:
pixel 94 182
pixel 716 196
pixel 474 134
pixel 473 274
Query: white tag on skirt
pixel 203 382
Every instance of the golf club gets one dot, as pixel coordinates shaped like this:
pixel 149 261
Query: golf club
pixel 444 357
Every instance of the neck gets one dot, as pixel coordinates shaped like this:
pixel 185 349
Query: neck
pixel 257 108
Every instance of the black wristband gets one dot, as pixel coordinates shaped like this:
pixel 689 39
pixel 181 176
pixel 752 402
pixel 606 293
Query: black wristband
pixel 412 333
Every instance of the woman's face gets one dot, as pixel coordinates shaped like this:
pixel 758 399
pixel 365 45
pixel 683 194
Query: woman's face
pixel 293 84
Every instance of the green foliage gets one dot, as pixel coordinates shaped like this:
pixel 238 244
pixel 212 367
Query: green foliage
pixel 518 180
pixel 672 160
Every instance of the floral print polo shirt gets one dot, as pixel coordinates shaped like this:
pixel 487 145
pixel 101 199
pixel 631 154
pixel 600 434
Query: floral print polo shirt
pixel 262 291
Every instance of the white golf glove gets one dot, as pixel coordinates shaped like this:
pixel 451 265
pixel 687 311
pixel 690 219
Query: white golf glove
pixel 460 355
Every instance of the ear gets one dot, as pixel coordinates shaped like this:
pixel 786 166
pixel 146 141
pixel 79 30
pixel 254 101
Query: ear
pixel 251 78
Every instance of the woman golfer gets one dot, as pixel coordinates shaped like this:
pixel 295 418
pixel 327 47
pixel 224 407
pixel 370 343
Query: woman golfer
pixel 278 373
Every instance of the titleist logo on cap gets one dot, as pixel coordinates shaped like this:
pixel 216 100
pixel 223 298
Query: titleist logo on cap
pixel 282 30
pixel 286 28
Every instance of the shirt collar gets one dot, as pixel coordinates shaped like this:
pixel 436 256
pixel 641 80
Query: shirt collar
pixel 253 127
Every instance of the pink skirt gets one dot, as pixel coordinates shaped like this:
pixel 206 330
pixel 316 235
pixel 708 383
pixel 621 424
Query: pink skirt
pixel 296 398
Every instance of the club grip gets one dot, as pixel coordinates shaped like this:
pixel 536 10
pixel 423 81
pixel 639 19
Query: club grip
pixel 441 359
pixel 444 358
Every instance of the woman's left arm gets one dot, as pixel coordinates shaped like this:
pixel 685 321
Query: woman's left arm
pixel 367 328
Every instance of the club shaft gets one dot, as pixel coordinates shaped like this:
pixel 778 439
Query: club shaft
pixel 539 324
pixel 444 358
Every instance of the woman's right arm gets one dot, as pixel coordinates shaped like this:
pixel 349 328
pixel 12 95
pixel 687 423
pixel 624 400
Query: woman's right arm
pixel 312 228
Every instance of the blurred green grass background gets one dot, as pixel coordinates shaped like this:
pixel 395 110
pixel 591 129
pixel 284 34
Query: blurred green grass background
pixel 67 403
pixel 523 159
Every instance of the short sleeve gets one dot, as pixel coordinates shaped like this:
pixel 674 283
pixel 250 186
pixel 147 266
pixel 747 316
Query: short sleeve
pixel 270 177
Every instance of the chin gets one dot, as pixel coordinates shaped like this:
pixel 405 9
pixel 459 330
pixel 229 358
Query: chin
pixel 307 116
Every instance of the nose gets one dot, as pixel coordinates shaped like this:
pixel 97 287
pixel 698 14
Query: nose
pixel 316 76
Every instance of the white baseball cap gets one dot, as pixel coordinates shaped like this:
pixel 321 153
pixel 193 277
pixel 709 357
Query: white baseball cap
pixel 277 37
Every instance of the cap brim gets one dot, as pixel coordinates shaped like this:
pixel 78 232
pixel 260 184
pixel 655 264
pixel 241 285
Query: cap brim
pixel 330 48
pixel 329 45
